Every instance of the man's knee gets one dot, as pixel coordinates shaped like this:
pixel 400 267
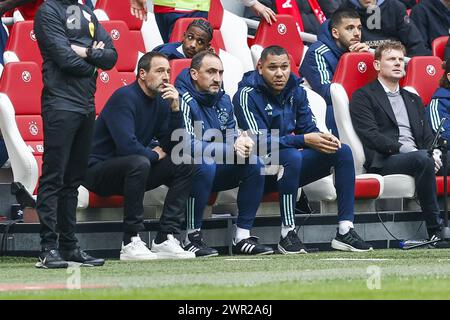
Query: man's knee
pixel 422 160
pixel 205 171
pixel 138 164
pixel 345 153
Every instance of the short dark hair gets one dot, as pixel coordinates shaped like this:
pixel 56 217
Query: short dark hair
pixel 387 46
pixel 196 62
pixel 341 14
pixel 443 82
pixel 204 25
pixel 146 60
pixel 273 51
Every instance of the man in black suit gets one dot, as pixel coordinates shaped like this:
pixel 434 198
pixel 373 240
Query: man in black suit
pixel 391 125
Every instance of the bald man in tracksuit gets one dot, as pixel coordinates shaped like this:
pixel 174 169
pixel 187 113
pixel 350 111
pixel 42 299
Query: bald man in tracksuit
pixel 207 107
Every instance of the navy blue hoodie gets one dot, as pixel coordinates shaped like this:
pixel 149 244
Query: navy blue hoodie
pixel 258 109
pixel 320 62
pixel 432 18
pixel 210 112
pixel 394 24
pixel 129 122
pixel 439 108
pixel 171 50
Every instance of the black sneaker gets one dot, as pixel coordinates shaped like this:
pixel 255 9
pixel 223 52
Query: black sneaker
pixel 350 241
pixel 440 243
pixel 197 246
pixel 291 244
pixel 51 259
pixel 79 256
pixel 251 246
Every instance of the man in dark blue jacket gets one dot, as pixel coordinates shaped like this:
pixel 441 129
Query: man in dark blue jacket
pixel 123 162
pixel 197 38
pixel 214 143
pixel 340 34
pixel 73 45
pixel 272 106
pixel 384 20
pixel 432 18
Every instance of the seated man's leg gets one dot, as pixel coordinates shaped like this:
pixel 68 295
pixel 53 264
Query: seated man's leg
pixel 125 176
pixel 287 181
pixel 421 166
pixel 317 165
pixel 250 180
pixel 202 182
pixel 178 177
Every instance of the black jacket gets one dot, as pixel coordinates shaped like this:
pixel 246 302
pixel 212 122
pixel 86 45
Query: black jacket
pixel 431 19
pixel 374 121
pixel 395 24
pixel 69 80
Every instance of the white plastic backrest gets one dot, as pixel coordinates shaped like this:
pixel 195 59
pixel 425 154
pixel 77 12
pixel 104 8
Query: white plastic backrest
pixel 150 33
pixel 1 70
pixel 101 15
pixel 18 16
pixel 233 72
pixel 234 33
pixel 256 51
pixel 318 107
pixel 10 56
pixel 23 163
pixel 344 125
pixel 83 198
pixel 411 89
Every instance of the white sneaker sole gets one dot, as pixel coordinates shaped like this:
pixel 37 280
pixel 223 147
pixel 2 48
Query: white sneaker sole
pixel 283 251
pixel 168 255
pixel 125 257
pixel 338 245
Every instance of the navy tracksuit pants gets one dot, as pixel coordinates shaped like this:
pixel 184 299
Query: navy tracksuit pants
pixel 301 167
pixel 219 177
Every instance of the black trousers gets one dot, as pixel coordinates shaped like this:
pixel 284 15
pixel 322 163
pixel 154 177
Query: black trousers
pixel 421 166
pixel 67 143
pixel 131 176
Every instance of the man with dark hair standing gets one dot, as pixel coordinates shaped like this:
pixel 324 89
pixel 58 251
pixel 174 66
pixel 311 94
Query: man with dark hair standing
pixel 340 34
pixel 73 45
pixel 197 38
pixel 210 130
pixel 123 162
pixel 395 135
pixel 271 98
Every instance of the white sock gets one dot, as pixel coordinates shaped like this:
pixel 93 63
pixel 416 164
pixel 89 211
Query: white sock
pixel 285 230
pixel 344 226
pixel 188 232
pixel 241 234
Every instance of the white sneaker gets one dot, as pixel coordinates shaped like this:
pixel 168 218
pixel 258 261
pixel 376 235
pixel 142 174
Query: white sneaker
pixel 171 249
pixel 136 250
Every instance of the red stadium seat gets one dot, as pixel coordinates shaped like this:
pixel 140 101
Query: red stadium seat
pixel 422 76
pixel 353 71
pixel 120 10
pixel 283 33
pixel 22 44
pixel 21 122
pixel 176 66
pixel 438 46
pixel 107 82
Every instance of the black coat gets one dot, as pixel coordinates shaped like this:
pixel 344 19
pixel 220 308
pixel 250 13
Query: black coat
pixel 374 121
pixel 431 19
pixel 394 25
pixel 69 80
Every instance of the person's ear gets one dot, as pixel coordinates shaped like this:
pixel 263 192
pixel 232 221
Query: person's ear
pixel 259 66
pixel 142 74
pixel 194 74
pixel 335 33
pixel 376 65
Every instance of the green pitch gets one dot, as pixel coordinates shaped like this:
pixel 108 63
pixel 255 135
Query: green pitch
pixel 381 274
